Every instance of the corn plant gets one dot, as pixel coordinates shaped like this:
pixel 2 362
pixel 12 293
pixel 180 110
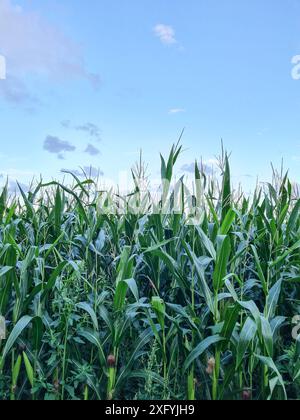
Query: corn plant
pixel 190 297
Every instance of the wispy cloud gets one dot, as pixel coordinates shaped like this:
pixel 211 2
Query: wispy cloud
pixel 174 111
pixel 66 124
pixel 32 45
pixel 15 91
pixel 57 146
pixel 165 33
pixel 92 150
pixel 91 129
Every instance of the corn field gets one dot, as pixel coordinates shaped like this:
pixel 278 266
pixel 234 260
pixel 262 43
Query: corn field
pixel 192 302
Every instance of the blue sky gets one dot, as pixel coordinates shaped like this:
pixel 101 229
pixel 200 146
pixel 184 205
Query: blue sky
pixel 92 83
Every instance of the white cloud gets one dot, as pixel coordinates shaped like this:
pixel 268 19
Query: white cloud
pixel 174 111
pixel 212 162
pixel 2 68
pixel 31 45
pixel 208 167
pixel 165 33
pixel 91 129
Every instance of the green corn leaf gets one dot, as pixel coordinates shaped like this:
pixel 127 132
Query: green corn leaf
pixel 16 371
pixel 247 335
pixel 14 335
pixel 221 264
pixel 267 361
pixel 29 369
pixel 87 308
pixel 200 350
pixel 272 300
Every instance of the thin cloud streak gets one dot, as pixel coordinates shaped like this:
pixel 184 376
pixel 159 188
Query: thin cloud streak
pixel 175 111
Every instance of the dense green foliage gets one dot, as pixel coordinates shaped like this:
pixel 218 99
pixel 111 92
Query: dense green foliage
pixel 150 305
